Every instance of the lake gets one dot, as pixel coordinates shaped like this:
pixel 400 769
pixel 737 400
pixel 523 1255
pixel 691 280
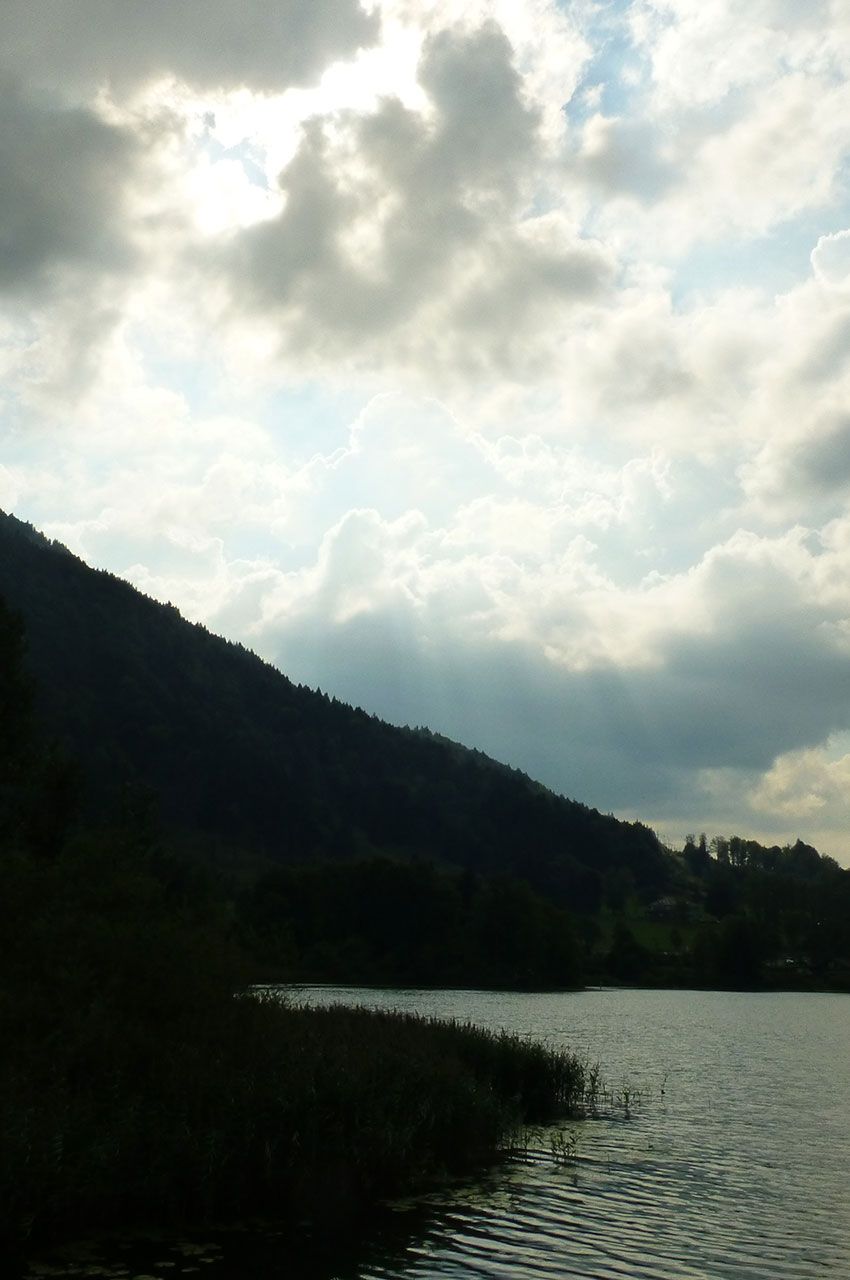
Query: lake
pixel 723 1152
pixel 734 1162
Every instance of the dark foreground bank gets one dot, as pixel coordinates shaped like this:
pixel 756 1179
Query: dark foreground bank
pixel 265 1111
pixel 137 1090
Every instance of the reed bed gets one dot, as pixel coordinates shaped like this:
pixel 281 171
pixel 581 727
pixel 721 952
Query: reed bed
pixel 254 1109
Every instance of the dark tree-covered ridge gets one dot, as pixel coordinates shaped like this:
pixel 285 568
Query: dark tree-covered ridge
pixel 235 750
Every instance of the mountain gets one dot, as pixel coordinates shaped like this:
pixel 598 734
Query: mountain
pixel 237 753
pixel 328 846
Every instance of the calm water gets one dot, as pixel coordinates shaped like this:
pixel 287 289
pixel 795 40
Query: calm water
pixel 735 1163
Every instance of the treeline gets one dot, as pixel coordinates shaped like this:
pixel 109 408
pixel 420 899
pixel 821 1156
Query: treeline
pixel 737 914
pixel 778 918
pixel 782 913
pixel 388 922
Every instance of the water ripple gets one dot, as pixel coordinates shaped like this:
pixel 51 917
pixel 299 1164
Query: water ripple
pixel 735 1172
pixel 732 1165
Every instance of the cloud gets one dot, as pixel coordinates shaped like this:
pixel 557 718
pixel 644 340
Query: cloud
pixel 802 786
pixel 63 179
pixel 779 157
pixel 725 123
pixel 812 468
pixel 701 53
pixel 403 235
pixel 72 247
pixel 831 260
pixel 795 466
pixel 210 44
pixel 625 157
pixel 729 664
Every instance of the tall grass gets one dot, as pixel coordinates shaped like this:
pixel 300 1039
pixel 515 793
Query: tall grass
pixel 253 1109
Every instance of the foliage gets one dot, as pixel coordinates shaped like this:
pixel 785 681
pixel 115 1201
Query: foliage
pixel 385 921
pixel 742 915
pixel 783 916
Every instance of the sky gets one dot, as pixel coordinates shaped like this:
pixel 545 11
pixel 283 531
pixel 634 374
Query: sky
pixel 485 364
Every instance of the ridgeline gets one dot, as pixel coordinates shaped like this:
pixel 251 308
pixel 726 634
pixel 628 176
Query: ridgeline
pixel 350 850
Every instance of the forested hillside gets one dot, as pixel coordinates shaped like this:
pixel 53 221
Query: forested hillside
pixel 341 848
pixel 234 750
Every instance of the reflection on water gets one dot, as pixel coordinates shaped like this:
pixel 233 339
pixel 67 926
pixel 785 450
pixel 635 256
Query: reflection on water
pixel 733 1164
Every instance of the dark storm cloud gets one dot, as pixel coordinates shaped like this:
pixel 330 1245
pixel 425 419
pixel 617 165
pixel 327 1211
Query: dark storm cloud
pixel 62 180
pixel 265 44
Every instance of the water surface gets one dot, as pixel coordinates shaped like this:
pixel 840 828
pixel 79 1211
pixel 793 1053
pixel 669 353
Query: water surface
pixel 734 1161
pixel 723 1154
